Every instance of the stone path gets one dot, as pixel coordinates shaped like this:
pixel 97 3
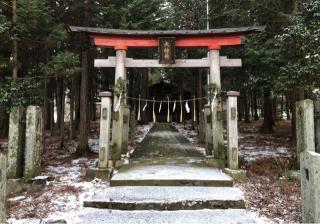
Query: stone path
pixel 168 181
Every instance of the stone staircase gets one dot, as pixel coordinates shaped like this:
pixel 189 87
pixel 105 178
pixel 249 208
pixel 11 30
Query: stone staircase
pixel 169 182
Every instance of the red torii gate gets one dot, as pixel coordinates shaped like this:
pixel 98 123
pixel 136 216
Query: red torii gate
pixel 122 40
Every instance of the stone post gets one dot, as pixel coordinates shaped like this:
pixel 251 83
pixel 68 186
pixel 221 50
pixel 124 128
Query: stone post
pixel 117 122
pixel 3 184
pixel 126 130
pixel 120 70
pixel 310 186
pixel 305 126
pixel 16 142
pixel 208 129
pixel 34 141
pixel 232 130
pixel 317 124
pixel 217 116
pixel 105 122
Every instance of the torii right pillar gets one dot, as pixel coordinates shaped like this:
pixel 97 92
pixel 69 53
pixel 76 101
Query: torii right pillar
pixel 218 147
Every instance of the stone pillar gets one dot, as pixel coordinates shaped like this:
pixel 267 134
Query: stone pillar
pixel 34 141
pixel 120 70
pixel 217 116
pixel 116 147
pixel 126 129
pixel 16 142
pixel 232 130
pixel 105 122
pixel 215 76
pixel 208 129
pixel 3 184
pixel 317 124
pixel 305 126
pixel 310 186
pixel 118 116
pixel 202 134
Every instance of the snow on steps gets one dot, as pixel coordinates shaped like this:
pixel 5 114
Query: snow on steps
pixel 170 175
pixel 167 198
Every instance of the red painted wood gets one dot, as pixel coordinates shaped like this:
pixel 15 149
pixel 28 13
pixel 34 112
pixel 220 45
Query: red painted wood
pixel 122 42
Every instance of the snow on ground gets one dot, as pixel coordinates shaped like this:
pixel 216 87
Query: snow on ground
pixel 250 153
pixel 63 197
pixel 65 194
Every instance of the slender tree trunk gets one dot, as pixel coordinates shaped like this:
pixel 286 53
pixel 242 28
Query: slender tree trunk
pixel 246 108
pixel 62 109
pixel 240 111
pixel 144 92
pixel 255 106
pixel 15 41
pixel 4 123
pixel 72 92
pixel 45 106
pixel 267 126
pixel 282 107
pixel 288 106
pixel 58 96
pixel 252 99
pixel 77 103
pixel 275 108
pixel 93 104
pixel 49 117
pixel 83 148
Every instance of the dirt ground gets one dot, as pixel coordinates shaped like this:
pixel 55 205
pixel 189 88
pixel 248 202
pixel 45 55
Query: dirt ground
pixel 269 190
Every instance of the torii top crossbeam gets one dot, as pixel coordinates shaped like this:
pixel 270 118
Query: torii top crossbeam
pixel 124 39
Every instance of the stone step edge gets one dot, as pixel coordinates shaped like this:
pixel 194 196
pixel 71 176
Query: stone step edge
pixel 169 182
pixel 167 206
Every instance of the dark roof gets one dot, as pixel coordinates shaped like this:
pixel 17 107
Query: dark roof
pixel 240 30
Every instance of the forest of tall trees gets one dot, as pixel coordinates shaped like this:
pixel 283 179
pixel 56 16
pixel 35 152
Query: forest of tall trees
pixel 42 63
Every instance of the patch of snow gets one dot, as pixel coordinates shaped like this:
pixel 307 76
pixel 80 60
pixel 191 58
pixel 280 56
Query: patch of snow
pixel 250 154
pixel 19 198
pixel 94 145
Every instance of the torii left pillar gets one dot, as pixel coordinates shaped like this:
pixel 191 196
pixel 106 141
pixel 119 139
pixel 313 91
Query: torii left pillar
pixel 119 142
pixel 218 146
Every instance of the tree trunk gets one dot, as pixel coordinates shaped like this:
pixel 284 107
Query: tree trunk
pixel 72 97
pixel 77 103
pixel 58 103
pixel 62 109
pixel 255 106
pixel 240 111
pixel 4 123
pixel 282 107
pixel 246 108
pixel 199 91
pixel 288 106
pixel 14 41
pixel 298 94
pixel 83 128
pixel 144 92
pixel 275 108
pixel 267 126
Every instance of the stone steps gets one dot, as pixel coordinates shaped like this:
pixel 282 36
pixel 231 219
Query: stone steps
pixel 170 175
pixel 230 216
pixel 167 198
